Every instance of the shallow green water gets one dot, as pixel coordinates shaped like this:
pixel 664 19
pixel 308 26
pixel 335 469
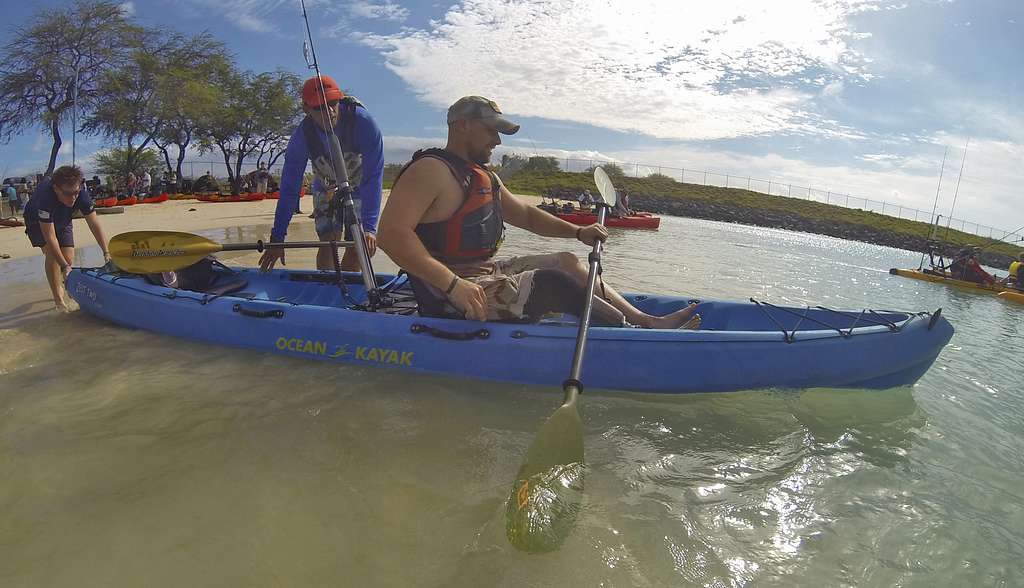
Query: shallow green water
pixel 131 459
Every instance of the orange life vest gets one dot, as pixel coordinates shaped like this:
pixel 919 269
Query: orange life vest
pixel 475 231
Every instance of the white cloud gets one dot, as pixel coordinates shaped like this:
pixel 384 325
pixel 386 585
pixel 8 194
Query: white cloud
pixel 127 8
pixel 252 23
pixel 377 10
pixel 662 68
pixel 250 15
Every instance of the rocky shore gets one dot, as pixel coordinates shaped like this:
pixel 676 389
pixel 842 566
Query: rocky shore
pixel 733 213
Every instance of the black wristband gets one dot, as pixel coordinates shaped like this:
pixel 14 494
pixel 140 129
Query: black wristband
pixel 455 280
pixel 578 229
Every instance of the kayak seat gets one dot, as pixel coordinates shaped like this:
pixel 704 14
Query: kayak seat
pixel 431 302
pixel 226 284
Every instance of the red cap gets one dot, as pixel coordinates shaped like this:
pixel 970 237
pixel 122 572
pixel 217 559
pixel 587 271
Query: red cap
pixel 311 95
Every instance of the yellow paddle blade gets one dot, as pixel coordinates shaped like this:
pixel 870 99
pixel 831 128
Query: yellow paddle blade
pixel 150 252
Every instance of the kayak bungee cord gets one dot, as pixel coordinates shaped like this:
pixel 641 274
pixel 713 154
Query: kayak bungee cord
pixel 336 176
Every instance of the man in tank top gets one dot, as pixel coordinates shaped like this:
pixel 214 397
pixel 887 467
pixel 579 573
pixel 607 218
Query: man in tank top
pixel 444 221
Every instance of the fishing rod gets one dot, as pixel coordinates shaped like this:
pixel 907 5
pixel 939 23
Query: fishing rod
pixel 1003 239
pixel 963 160
pixel 935 204
pixel 336 176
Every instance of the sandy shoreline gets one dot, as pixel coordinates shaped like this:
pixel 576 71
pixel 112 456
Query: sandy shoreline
pixel 173 215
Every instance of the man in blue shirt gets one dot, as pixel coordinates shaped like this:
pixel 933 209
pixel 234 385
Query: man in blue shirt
pixel 12 197
pixel 363 150
pixel 48 225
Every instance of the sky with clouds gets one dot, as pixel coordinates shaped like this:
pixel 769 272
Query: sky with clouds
pixel 854 97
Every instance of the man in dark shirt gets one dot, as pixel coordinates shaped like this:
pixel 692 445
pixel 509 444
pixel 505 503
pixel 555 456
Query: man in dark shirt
pixel 48 225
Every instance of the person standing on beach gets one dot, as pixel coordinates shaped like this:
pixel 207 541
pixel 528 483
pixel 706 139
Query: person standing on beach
pixel 145 184
pixel 445 220
pixel 363 150
pixel 12 197
pixel 48 225
pixel 132 185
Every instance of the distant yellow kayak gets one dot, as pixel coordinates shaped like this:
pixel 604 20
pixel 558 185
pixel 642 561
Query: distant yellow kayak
pixel 939 279
pixel 1014 296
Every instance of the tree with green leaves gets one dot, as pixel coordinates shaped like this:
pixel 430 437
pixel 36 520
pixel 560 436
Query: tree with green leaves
pixel 138 101
pixel 253 107
pixel 186 95
pixel 659 177
pixel 57 63
pixel 613 170
pixel 541 165
pixel 282 120
pixel 119 162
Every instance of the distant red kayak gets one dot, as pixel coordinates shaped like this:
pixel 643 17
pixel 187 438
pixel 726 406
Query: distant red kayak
pixel 253 197
pixel 129 201
pixel 642 220
pixel 105 202
pixel 155 199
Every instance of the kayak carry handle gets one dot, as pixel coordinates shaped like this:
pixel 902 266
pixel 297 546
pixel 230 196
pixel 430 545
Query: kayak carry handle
pixel 276 313
pixel 450 335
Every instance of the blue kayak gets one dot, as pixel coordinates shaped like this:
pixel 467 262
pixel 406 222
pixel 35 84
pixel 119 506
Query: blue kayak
pixel 740 346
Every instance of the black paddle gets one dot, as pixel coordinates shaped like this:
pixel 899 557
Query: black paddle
pixel 546 495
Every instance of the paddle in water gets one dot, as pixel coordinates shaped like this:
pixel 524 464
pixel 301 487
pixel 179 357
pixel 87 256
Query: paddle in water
pixel 151 252
pixel 546 495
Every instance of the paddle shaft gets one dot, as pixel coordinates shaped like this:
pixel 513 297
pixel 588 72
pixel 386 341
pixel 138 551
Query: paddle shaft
pixel 581 336
pixel 260 245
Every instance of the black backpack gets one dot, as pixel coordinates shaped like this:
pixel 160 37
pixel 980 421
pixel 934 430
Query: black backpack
pixel 198 277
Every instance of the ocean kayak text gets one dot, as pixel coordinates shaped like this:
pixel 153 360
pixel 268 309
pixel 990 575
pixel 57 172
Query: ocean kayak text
pixel 365 353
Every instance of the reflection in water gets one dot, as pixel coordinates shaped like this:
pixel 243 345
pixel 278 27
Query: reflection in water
pixel 135 459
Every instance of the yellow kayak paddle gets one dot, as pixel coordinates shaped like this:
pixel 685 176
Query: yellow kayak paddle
pixel 150 252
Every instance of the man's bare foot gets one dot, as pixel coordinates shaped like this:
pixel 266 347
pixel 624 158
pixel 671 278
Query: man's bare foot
pixel 692 324
pixel 674 320
pixel 61 308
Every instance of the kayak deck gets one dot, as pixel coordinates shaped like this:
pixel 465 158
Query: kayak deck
pixel 740 346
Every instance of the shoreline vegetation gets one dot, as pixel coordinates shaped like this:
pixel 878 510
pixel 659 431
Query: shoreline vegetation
pixel 663 195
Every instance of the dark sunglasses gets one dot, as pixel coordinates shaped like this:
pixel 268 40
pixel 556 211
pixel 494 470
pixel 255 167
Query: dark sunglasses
pixel 332 104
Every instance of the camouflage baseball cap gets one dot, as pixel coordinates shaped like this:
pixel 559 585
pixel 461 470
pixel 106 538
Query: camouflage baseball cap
pixel 484 110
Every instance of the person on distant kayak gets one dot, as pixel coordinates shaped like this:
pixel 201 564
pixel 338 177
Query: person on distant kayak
pixel 363 150
pixel 586 200
pixel 48 225
pixel 965 267
pixel 621 208
pixel 444 222
pixel 1016 276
